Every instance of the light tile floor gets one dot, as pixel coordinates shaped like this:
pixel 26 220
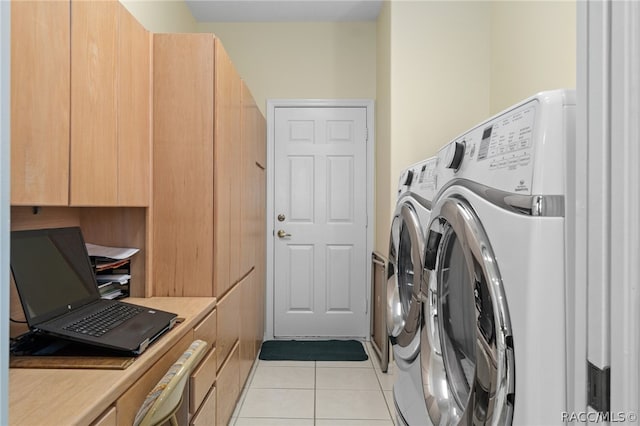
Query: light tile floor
pixel 310 393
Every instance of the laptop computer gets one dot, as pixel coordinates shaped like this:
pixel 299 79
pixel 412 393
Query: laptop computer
pixel 60 297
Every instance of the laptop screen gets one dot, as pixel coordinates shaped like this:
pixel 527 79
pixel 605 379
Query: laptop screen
pixel 52 272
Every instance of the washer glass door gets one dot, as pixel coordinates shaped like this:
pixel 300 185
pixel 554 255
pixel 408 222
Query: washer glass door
pixel 467 345
pixel 405 272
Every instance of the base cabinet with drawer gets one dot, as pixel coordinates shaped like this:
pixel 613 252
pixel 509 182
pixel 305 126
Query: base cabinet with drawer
pixel 206 415
pixel 228 386
pixel 199 396
pixel 201 382
pixel 108 418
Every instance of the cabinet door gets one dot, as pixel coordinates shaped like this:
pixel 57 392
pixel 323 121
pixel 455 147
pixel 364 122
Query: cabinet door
pixel 94 149
pixel 182 208
pixel 248 184
pixel 227 159
pixel 261 141
pixel 40 34
pixel 248 316
pixel 228 323
pixel 134 111
pixel 261 255
pixel 110 106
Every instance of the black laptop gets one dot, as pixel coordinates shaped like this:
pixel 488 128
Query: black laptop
pixel 58 291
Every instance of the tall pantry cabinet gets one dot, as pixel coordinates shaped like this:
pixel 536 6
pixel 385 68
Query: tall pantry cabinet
pixel 207 211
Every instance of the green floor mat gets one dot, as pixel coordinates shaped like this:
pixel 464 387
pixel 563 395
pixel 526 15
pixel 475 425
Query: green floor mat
pixel 313 350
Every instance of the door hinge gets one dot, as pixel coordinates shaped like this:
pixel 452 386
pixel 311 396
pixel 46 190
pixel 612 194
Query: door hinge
pixel 599 388
pixel 366 134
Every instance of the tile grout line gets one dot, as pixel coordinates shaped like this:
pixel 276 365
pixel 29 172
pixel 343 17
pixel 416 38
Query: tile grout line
pixel 315 391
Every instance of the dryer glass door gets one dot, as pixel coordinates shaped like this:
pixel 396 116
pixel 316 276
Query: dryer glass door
pixel 467 345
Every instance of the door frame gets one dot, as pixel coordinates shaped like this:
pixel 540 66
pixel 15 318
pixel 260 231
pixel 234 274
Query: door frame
pixel 272 104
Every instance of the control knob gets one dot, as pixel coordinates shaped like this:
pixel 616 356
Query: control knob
pixel 454 155
pixel 409 178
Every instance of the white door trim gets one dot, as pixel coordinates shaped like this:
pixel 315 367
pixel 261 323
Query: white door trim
pixel 272 104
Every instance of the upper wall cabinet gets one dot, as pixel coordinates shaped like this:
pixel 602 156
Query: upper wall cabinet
pixel 80 105
pixel 40 81
pixel 110 106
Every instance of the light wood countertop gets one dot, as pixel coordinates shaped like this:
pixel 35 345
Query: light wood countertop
pixel 78 396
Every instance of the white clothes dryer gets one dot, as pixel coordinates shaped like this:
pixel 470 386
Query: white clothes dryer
pixel 406 247
pixel 493 344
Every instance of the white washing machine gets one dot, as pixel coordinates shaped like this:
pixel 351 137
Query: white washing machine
pixel 493 345
pixel 416 189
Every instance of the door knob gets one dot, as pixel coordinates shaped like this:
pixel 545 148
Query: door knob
pixel 283 234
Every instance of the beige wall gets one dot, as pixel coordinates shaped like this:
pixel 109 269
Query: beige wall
pixel 384 180
pixel 302 60
pixel 533 45
pixel 438 86
pixel 162 16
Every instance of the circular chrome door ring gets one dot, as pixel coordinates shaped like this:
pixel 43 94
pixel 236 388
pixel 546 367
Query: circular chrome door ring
pixel 467 345
pixel 404 278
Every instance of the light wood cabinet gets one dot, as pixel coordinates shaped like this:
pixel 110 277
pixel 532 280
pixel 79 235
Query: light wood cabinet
pixel 249 200
pixel 208 202
pixel 228 183
pixel 228 388
pixel 109 418
pixel 110 106
pixel 202 380
pixel 94 44
pixel 228 323
pixel 200 384
pixel 204 186
pixel 134 111
pixel 248 318
pixel 206 416
pixel 80 105
pixel 40 81
pixel 183 173
pixel 261 253
pixel 204 377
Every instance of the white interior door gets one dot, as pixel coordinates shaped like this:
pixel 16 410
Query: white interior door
pixel 320 221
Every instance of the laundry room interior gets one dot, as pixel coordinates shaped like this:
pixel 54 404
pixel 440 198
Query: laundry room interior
pixel 356 212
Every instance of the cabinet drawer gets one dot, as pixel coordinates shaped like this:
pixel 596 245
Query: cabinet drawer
pixel 228 324
pixel 202 380
pixel 229 385
pixel 206 416
pixel 206 329
pixel 108 418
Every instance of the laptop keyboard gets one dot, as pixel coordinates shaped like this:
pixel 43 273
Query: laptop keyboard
pixel 105 320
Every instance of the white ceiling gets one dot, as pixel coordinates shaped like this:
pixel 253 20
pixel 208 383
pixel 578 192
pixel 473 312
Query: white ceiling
pixel 284 10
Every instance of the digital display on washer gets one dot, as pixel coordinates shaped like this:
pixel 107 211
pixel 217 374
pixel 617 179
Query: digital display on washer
pixel 484 144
